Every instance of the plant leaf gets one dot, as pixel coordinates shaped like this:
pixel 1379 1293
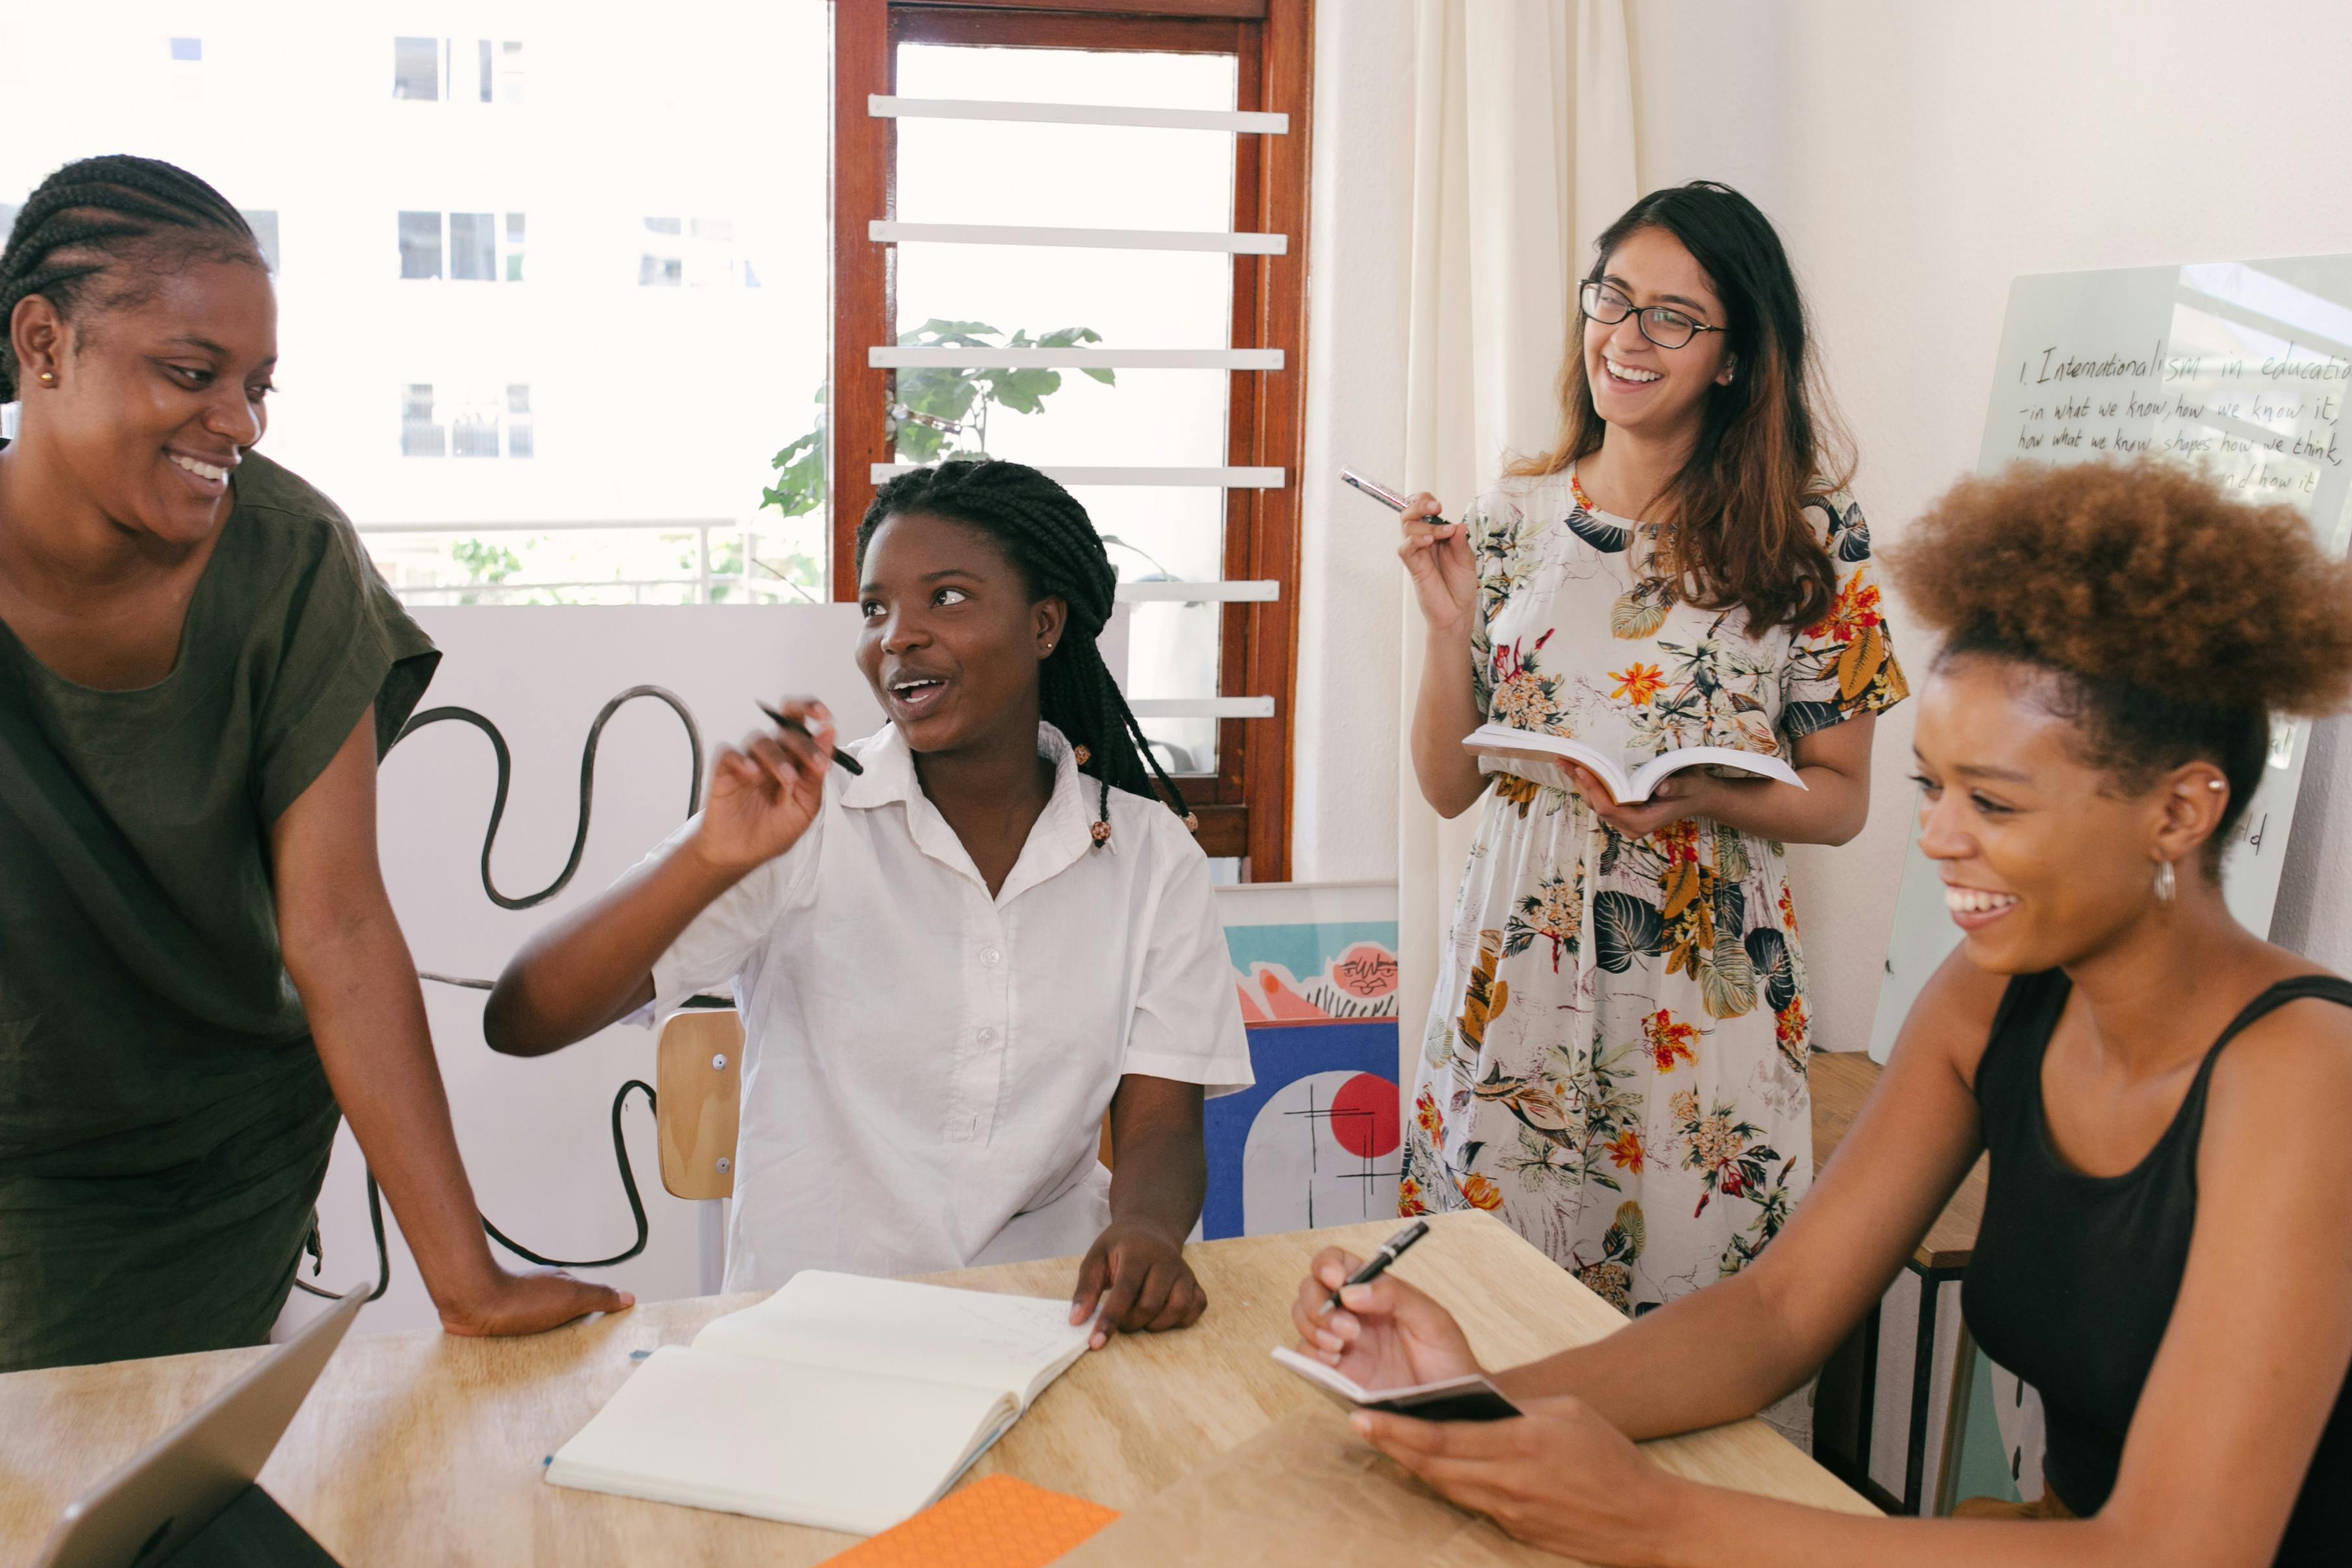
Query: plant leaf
pixel 1623 926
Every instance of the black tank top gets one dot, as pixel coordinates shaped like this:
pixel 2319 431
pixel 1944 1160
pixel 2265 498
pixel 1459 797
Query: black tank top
pixel 2074 1276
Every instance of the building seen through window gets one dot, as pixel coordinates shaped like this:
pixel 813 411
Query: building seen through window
pixel 468 363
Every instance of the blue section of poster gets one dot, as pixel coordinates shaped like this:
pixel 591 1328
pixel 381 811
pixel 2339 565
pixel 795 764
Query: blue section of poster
pixel 1313 1141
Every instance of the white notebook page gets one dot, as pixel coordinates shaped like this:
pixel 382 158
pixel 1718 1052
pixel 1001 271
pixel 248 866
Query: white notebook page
pixel 1015 1344
pixel 810 1445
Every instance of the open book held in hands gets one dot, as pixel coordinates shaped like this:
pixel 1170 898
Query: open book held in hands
pixel 1631 778
pixel 841 1402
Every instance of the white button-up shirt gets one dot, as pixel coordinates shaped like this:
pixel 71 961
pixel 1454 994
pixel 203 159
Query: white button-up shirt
pixel 925 1068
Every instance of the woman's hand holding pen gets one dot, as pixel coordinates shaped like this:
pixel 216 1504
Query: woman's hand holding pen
pixel 1560 1477
pixel 1436 554
pixel 766 792
pixel 1384 1334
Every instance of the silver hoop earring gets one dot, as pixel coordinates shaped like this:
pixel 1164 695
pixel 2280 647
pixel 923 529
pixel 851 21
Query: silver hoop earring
pixel 2167 884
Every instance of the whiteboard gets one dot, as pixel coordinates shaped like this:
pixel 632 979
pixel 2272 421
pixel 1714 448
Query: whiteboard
pixel 2242 367
pixel 536 1133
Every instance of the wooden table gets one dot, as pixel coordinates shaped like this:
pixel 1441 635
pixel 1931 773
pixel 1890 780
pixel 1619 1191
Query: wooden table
pixel 1841 1081
pixel 419 1448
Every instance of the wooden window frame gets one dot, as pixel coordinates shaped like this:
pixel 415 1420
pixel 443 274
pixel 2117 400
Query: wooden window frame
pixel 1245 807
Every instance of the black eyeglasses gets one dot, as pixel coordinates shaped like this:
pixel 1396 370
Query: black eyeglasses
pixel 1666 327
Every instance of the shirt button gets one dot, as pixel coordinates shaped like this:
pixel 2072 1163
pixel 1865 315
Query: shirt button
pixel 988 1037
pixel 989 956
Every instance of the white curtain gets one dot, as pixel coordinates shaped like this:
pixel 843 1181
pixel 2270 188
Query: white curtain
pixel 1523 152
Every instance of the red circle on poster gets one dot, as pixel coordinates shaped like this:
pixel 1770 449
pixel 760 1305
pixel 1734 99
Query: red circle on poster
pixel 1364 1117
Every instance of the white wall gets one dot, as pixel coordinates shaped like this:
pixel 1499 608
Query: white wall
pixel 1350 590
pixel 1915 159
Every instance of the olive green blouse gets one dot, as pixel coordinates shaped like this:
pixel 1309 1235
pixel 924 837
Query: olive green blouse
pixel 165 1121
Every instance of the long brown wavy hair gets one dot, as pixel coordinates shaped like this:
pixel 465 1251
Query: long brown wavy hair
pixel 1733 532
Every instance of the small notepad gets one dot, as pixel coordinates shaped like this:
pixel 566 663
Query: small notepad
pixel 996 1523
pixel 841 1402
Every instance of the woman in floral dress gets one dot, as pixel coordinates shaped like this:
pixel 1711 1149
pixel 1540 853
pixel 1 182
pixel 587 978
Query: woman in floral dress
pixel 1614 1061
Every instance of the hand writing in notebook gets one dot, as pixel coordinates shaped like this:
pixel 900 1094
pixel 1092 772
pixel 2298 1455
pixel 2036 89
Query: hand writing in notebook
pixel 1136 1274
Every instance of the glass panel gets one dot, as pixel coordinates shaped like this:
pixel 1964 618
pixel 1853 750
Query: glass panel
pixel 420 244
pixel 1086 177
pixel 420 436
pixel 596 482
pixel 416 68
pixel 473 246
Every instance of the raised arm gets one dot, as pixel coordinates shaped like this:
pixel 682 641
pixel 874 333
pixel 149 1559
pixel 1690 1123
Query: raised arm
pixel 344 951
pixel 1437 559
pixel 595 965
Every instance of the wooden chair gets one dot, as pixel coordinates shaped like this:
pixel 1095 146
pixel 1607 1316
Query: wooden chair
pixel 698 1096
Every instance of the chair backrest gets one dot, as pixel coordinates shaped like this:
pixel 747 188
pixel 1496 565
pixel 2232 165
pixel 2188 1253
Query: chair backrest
pixel 699 1084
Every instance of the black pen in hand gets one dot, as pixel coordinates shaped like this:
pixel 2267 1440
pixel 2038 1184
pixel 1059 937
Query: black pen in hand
pixel 1391 1251
pixel 841 758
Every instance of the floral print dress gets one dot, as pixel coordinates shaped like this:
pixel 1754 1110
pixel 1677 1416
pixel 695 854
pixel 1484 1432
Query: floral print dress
pixel 1615 1056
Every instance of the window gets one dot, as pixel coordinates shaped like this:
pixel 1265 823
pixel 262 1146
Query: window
pixel 420 434
pixel 476 70
pixel 519 421
pixel 474 251
pixel 1187 462
pixel 420 244
pixel 696 253
pixel 465 420
pixel 187 69
pixel 416 69
pixel 473 247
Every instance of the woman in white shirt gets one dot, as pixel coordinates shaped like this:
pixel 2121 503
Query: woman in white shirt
pixel 951 966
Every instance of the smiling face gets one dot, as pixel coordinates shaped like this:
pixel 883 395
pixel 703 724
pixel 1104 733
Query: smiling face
pixel 156 400
pixel 952 639
pixel 2045 857
pixel 1636 384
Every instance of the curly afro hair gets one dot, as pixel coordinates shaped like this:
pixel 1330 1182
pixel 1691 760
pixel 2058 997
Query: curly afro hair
pixel 2175 618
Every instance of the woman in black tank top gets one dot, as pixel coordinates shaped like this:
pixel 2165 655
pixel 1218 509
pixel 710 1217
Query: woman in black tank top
pixel 2164 1253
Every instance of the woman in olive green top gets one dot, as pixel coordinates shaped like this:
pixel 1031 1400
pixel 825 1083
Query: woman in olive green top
pixel 199 672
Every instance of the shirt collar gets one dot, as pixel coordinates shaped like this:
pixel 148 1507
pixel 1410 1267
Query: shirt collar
pixel 1061 835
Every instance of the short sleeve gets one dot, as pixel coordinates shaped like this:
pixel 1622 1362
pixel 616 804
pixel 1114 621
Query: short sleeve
pixel 343 642
pixel 1843 664
pixel 719 943
pixel 1187 1016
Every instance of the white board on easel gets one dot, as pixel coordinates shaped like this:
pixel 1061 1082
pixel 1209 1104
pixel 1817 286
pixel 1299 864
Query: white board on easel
pixel 2242 367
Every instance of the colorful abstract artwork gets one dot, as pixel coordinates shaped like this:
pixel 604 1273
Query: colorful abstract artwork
pixel 1314 1141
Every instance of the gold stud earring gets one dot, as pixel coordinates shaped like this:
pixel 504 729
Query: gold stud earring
pixel 1081 755
pixel 48 378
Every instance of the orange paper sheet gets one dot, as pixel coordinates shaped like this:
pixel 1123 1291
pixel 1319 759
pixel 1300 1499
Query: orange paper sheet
pixel 996 1523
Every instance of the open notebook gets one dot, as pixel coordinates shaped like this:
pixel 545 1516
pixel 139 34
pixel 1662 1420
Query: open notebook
pixel 841 1402
pixel 1500 747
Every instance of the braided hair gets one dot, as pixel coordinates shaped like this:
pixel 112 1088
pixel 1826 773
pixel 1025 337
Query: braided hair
pixel 1054 545
pixel 92 215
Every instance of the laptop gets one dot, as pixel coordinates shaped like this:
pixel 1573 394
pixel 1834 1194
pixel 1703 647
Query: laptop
pixel 189 1497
